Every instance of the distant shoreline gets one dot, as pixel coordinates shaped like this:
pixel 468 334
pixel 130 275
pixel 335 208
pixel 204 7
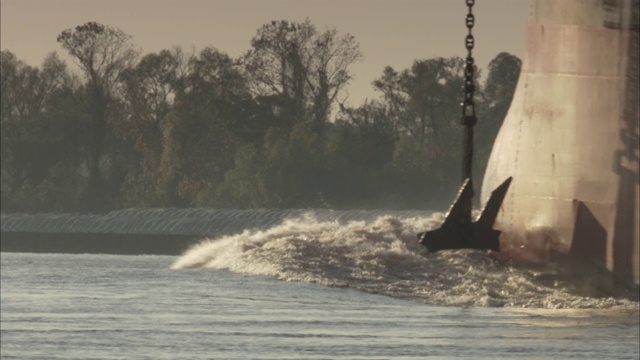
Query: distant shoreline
pixel 96 243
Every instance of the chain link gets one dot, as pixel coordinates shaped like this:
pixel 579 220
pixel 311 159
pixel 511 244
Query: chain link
pixel 468 105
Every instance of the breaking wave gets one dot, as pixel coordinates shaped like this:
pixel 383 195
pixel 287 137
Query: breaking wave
pixel 382 256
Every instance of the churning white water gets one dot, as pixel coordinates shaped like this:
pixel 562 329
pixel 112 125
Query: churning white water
pixel 383 256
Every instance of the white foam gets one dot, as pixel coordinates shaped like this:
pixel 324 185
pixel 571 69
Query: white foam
pixel 382 256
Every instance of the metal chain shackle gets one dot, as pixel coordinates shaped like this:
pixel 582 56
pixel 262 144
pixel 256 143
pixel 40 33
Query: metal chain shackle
pixel 468 105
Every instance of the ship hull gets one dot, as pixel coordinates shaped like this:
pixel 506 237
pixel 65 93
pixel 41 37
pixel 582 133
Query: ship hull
pixel 570 139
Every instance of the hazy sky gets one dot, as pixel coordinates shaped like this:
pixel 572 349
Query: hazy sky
pixel 390 32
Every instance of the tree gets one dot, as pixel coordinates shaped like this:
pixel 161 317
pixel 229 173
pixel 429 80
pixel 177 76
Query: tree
pixel 421 99
pixel 504 71
pixel 149 92
pixel 498 90
pixel 300 70
pixel 496 96
pixel 359 149
pixel 18 109
pixel 424 103
pixel 40 135
pixel 21 94
pixel 103 53
pixel 200 135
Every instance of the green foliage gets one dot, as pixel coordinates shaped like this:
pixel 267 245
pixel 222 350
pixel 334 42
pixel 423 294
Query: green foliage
pixel 424 103
pixel 42 136
pixel 261 131
pixel 199 142
pixel 150 89
pixel 46 196
pixel 245 185
pixel 103 54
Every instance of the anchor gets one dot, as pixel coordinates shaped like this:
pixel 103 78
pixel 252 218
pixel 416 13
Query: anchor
pixel 458 230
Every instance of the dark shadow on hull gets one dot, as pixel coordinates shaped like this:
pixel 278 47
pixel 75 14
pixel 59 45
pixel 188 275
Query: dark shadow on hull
pixel 589 238
pixel 626 217
pixel 583 270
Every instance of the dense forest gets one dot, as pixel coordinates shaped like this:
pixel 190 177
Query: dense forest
pixel 270 129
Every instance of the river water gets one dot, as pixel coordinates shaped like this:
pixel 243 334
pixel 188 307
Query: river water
pixel 304 289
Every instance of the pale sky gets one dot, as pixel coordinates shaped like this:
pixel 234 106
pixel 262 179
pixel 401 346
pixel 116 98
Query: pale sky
pixel 390 32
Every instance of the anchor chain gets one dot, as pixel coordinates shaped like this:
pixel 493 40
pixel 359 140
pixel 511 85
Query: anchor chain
pixel 458 231
pixel 468 119
pixel 468 105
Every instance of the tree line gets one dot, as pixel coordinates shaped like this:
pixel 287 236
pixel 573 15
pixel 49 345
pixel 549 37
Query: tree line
pixel 269 129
